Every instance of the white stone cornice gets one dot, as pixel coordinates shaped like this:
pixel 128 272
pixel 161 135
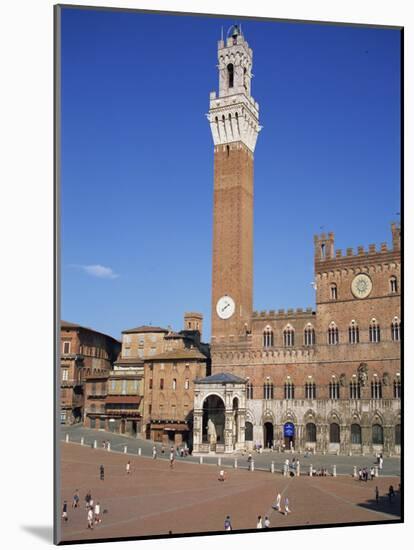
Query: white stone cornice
pixel 234 118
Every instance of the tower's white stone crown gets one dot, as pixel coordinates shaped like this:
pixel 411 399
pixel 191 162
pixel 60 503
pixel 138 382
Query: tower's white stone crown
pixel 234 114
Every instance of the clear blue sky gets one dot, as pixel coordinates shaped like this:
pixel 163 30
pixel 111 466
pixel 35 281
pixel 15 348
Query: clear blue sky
pixel 137 159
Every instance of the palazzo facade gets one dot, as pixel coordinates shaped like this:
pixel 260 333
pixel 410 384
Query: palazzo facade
pixel 326 379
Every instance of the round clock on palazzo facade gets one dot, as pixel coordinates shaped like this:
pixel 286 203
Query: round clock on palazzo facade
pixel 361 286
pixel 225 307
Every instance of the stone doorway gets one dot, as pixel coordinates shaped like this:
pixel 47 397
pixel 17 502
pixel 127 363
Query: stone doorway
pixel 268 435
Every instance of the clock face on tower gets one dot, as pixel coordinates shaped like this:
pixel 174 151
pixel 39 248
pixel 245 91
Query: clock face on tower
pixel 225 307
pixel 361 286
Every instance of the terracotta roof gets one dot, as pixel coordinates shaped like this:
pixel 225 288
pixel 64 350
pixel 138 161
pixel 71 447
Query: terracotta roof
pixel 120 399
pixel 129 361
pixel 145 328
pixel 174 335
pixel 178 354
pixel 221 378
pixel 68 325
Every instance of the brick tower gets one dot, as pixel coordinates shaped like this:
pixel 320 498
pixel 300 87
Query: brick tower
pixel 234 122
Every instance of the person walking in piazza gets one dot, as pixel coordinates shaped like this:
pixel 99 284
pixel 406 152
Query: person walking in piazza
pixel 287 510
pixel 75 501
pixel 222 476
pixel 154 452
pixel 227 524
pixel 87 499
pixel 65 511
pixel 128 467
pixel 372 472
pixel 376 495
pixel 380 462
pixel 266 522
pixel 172 457
pixel 259 523
pixel 90 518
pixel 277 503
pixel 97 513
pixel 102 472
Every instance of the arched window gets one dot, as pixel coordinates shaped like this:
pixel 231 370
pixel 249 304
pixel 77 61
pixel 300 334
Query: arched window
pixel 393 284
pixel 334 389
pixel 395 330
pixel 248 433
pixel 249 390
pixel 374 332
pixel 310 390
pixel 174 384
pixel 268 337
pixel 309 335
pixel 333 291
pixel 398 434
pixel 397 388
pixel 288 337
pixel 377 434
pixel 376 389
pixel 244 78
pixel 334 433
pixel 268 390
pixel 356 434
pixel 289 390
pixel 310 432
pixel 354 389
pixel 353 333
pixel 230 73
pixel 186 384
pixel 333 334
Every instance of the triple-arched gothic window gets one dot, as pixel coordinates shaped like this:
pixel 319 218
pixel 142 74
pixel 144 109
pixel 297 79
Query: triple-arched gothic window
pixel 309 335
pixel 353 332
pixel 374 331
pixel 268 337
pixel 333 334
pixel 288 337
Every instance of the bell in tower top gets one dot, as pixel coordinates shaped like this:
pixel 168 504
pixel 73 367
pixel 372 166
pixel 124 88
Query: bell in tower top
pixel 234 114
pixel 235 63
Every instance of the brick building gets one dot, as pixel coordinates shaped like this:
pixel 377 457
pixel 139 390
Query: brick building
pixel 169 383
pixel 328 379
pixel 84 352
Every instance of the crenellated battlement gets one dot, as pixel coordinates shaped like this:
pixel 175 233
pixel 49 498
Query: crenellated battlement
pixel 325 251
pixel 282 313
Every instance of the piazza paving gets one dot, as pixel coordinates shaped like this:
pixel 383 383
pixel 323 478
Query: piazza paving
pixel 156 500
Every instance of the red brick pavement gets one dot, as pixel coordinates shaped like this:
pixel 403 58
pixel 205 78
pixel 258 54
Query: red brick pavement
pixel 154 499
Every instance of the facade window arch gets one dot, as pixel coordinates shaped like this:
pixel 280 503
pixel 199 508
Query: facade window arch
pixel 310 430
pixel 396 330
pixel 377 434
pixel 333 334
pixel 393 284
pixel 334 433
pixel 356 438
pixel 374 332
pixel 334 389
pixel 354 389
pixel 249 390
pixel 309 335
pixel 268 337
pixel 376 388
pixel 310 390
pixel 268 390
pixel 353 332
pixel 174 384
pixel 288 337
pixel 333 290
pixel 289 390
pixel 397 388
